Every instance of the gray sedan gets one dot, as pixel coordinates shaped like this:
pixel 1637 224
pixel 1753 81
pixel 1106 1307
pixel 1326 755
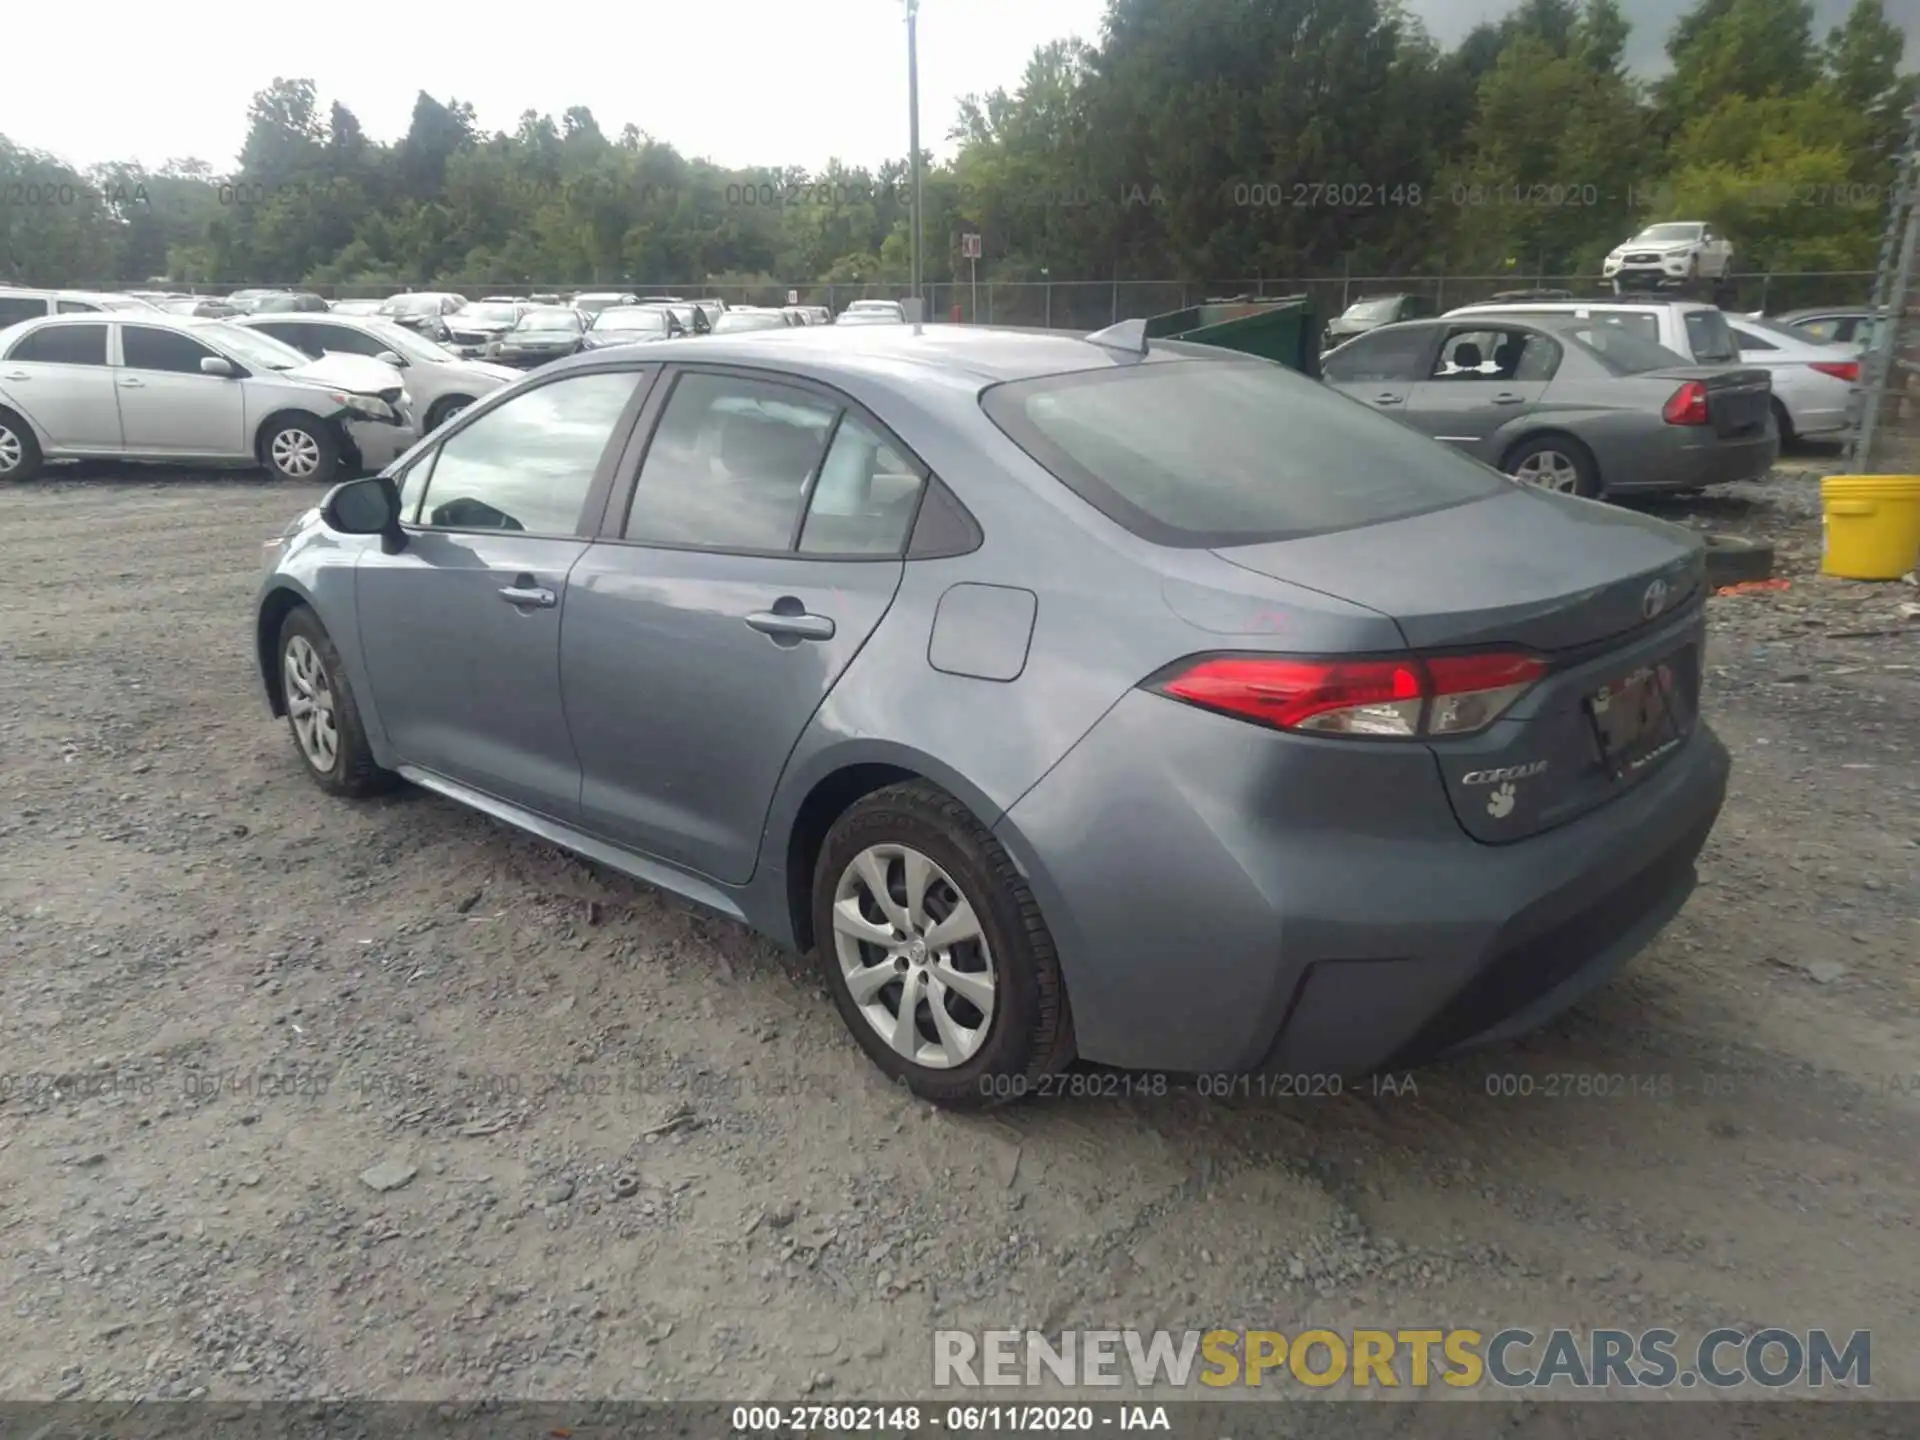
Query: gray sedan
pixel 1130 700
pixel 1567 403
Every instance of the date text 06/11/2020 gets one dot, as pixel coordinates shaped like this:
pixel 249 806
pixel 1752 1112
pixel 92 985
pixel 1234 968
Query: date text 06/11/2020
pixel 905 1418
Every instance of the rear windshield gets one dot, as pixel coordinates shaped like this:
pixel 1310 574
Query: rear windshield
pixel 1217 452
pixel 1711 338
pixel 1622 350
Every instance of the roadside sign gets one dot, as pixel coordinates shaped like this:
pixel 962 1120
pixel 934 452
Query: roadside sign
pixel 970 246
pixel 793 297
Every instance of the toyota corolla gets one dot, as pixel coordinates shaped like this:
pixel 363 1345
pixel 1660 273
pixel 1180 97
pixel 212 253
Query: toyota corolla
pixel 1101 698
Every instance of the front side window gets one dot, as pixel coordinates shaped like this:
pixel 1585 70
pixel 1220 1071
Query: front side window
pixel 1383 355
pixel 63 345
pixel 343 340
pixel 1224 452
pixel 287 332
pixel 142 347
pixel 527 465
pixel 729 464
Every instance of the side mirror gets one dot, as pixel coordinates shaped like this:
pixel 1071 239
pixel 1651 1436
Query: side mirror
pixel 216 365
pixel 398 362
pixel 370 506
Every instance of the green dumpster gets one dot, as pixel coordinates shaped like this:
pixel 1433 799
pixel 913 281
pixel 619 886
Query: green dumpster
pixel 1279 329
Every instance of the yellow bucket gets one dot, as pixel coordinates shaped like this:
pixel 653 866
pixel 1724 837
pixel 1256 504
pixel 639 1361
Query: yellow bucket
pixel 1870 526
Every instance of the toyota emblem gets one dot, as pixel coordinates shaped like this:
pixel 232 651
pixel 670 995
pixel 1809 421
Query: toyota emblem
pixel 1655 600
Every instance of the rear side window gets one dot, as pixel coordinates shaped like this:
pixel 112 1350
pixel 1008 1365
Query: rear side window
pixel 15 308
pixel 1711 338
pixel 64 345
pixel 1621 350
pixel 1210 452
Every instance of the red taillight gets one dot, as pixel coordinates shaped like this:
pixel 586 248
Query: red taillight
pixel 1398 698
pixel 1847 370
pixel 1687 405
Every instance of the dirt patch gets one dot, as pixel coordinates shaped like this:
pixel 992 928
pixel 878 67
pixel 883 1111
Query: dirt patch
pixel 305 1098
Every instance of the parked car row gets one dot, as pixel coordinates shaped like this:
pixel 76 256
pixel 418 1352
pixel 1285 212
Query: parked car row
pixel 1611 395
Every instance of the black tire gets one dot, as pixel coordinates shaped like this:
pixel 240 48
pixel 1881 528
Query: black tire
pixel 444 409
pixel 1030 1033
pixel 1586 481
pixel 1732 560
pixel 16 437
pixel 322 448
pixel 1783 422
pixel 353 772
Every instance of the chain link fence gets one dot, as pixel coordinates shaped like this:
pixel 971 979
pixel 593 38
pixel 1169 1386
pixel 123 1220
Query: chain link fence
pixel 1091 304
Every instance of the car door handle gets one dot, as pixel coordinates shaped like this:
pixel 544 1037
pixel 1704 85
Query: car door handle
pixel 1507 397
pixel 1387 398
pixel 524 591
pixel 16 375
pixel 127 382
pixel 796 624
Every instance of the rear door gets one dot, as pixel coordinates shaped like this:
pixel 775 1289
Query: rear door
pixel 58 376
pixel 1484 381
pixel 1381 367
pixel 759 546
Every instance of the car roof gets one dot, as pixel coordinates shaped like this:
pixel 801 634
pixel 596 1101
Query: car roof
pixel 1813 311
pixel 902 355
pixel 1564 307
pixel 161 319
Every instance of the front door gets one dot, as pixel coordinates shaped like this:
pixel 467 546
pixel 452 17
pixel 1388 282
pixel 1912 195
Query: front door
pixel 461 628
pixel 762 547
pixel 168 405
pixel 1381 367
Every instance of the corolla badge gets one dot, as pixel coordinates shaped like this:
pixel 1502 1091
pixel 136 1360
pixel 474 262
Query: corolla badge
pixel 1654 600
pixel 1505 772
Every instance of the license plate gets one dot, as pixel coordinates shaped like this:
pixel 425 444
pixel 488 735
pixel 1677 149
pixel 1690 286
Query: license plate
pixel 1638 718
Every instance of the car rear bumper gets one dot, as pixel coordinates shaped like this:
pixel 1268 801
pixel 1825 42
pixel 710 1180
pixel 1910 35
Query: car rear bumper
pixel 1688 463
pixel 1225 898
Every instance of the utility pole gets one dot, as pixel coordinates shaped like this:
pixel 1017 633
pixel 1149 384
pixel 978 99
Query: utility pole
pixel 913 135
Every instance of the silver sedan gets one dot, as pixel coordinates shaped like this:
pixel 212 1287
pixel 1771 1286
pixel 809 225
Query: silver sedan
pixel 167 387
pixel 441 383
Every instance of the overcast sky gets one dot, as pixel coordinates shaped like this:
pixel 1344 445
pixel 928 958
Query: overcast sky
pixel 737 81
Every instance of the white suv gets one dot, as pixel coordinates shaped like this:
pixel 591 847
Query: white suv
pixel 1670 253
pixel 17 305
pixel 1691 329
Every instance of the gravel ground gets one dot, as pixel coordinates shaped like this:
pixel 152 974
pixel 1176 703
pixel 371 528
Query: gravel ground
pixel 304 1098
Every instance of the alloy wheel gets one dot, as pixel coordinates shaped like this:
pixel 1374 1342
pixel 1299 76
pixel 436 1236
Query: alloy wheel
pixel 12 452
pixel 1550 470
pixel 310 704
pixel 914 956
pixel 296 453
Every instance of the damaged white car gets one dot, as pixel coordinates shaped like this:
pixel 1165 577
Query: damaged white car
pixel 191 391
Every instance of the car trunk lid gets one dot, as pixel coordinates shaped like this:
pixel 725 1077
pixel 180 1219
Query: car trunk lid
pixel 1612 600
pixel 1739 399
